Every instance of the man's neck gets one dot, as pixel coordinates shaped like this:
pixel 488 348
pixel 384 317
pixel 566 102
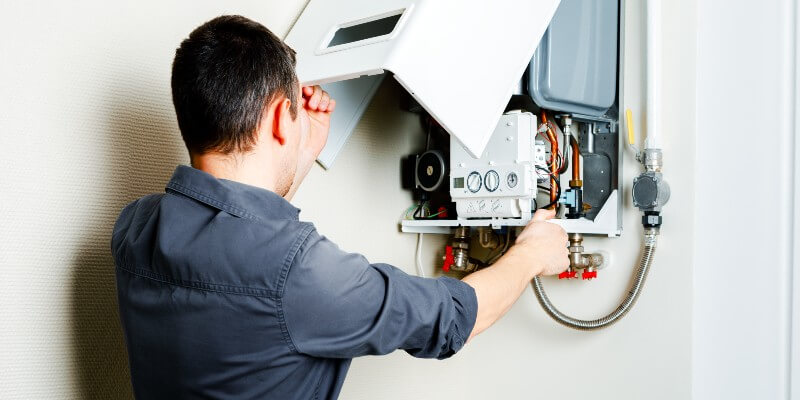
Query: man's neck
pixel 242 168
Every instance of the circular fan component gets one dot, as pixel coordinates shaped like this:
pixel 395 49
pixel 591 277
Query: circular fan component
pixel 430 170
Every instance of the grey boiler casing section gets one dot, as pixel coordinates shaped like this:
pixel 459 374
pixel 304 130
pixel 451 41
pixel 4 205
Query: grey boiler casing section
pixel 574 69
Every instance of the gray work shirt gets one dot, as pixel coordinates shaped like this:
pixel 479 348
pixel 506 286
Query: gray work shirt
pixel 224 293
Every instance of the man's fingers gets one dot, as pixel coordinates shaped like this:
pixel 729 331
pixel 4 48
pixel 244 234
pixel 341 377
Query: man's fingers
pixel 543 215
pixel 316 99
pixel 323 101
pixel 313 102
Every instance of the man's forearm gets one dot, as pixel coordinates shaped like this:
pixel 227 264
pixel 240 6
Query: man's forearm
pixel 498 287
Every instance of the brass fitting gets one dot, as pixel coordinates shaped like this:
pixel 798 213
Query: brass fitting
pixel 487 238
pixel 578 259
pixel 460 245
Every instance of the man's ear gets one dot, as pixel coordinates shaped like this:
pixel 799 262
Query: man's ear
pixel 281 119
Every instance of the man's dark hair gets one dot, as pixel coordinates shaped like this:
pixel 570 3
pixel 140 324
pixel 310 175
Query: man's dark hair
pixel 223 77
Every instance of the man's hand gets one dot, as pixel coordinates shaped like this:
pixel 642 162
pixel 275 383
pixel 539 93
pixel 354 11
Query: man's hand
pixel 545 243
pixel 318 105
pixel 315 118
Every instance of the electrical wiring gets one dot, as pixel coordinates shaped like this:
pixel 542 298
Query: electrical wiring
pixel 437 214
pixel 555 162
pixel 418 256
pixel 558 187
pixel 418 253
pixel 558 196
pixel 419 210
pixel 549 173
pixel 563 165
pixel 408 210
pixel 558 162
pixel 557 159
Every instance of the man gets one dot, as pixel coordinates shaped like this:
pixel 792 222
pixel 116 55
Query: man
pixel 224 293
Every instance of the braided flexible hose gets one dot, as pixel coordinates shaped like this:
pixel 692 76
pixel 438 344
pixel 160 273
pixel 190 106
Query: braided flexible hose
pixel 648 252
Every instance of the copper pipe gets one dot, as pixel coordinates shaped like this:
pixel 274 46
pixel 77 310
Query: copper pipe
pixel 576 164
pixel 551 136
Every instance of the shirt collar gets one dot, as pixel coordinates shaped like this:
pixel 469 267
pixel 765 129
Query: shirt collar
pixel 235 198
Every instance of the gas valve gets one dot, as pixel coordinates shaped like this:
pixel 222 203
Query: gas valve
pixel 587 263
pixel 456 256
pixel 448 258
pixel 589 274
pixel 568 274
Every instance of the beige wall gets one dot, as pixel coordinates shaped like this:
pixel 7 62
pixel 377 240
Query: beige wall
pixel 86 125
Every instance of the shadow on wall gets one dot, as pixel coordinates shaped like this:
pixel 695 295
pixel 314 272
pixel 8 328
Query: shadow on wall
pixel 140 148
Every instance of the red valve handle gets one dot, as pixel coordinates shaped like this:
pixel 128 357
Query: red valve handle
pixel 568 274
pixel 589 275
pixel 448 258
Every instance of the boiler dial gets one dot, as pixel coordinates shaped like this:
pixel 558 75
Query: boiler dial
pixel 492 180
pixel 512 180
pixel 474 182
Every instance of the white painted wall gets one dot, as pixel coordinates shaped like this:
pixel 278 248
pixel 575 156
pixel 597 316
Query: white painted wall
pixel 86 125
pixel 746 200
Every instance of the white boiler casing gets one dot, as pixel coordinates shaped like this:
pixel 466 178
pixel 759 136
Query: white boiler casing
pixel 502 182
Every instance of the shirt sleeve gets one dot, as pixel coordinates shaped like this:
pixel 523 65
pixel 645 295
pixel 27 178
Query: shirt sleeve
pixel 338 305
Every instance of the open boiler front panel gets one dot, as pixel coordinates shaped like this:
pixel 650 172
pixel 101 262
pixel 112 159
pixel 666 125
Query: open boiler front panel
pixel 521 109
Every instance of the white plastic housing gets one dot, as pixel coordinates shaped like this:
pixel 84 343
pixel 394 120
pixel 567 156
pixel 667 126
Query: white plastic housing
pixel 503 179
pixel 460 59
